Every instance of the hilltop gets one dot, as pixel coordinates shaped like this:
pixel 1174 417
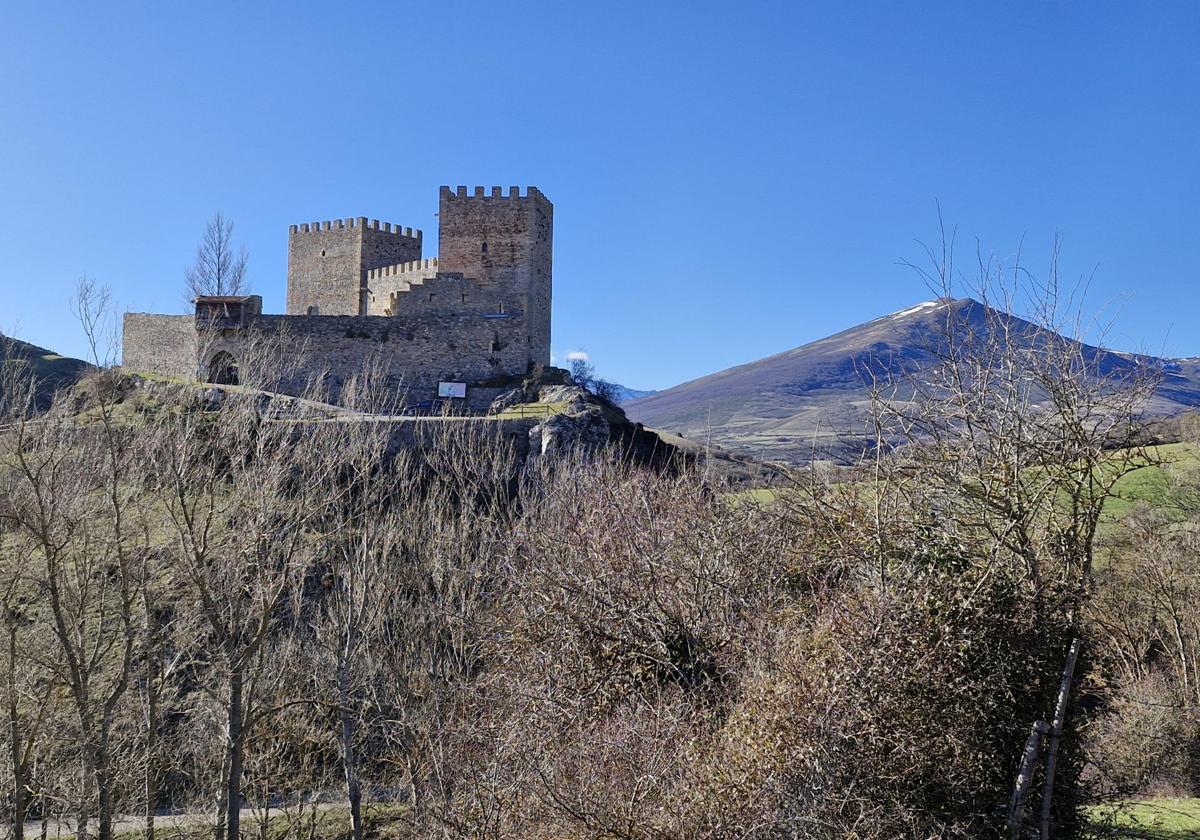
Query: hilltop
pixel 812 402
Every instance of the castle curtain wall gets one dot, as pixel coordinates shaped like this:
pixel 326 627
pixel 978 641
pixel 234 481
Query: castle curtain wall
pixel 416 351
pixel 166 345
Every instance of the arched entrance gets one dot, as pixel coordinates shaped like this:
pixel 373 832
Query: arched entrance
pixel 223 369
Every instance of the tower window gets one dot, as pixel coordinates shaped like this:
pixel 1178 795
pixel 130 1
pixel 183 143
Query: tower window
pixel 314 310
pixel 322 252
pixel 464 297
pixel 495 347
pixel 431 297
pixel 485 247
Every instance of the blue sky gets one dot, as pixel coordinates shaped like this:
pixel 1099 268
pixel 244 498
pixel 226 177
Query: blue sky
pixel 730 179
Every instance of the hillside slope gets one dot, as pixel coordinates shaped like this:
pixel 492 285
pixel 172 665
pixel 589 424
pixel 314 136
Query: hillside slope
pixel 811 402
pixel 51 370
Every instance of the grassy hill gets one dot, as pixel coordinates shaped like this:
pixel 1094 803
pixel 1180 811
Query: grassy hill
pixel 50 370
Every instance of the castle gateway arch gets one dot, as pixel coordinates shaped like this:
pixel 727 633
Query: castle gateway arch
pixel 223 368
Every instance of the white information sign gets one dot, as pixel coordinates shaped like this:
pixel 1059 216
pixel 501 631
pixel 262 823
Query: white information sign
pixel 452 389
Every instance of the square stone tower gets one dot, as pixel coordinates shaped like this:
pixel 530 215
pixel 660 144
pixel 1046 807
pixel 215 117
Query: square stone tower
pixel 328 262
pixel 504 244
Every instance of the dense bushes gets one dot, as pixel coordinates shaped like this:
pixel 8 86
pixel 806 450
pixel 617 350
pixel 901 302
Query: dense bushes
pixel 273 610
pixel 1145 732
pixel 666 662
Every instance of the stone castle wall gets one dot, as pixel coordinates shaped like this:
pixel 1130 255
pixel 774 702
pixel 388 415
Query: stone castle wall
pixel 419 289
pixel 383 282
pixel 162 344
pixel 418 350
pixel 414 352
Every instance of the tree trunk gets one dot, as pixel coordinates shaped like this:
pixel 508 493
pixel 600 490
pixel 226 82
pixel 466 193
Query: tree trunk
pixel 349 759
pixel 86 774
pixel 104 798
pixel 1056 730
pixel 233 781
pixel 219 809
pixel 17 829
pixel 150 777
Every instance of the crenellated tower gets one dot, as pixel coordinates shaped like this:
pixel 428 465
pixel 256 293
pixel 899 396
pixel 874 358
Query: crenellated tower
pixel 328 262
pixel 503 243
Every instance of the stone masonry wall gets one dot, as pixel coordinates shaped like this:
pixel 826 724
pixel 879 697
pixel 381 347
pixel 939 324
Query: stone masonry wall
pixel 442 293
pixel 382 282
pixel 161 344
pixel 416 352
pixel 541 285
pixel 381 247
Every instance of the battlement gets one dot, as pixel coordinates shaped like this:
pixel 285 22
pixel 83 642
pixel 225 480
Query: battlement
pixel 402 268
pixel 360 222
pixel 493 193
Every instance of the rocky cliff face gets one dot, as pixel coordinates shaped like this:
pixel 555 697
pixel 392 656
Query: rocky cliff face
pixel 582 424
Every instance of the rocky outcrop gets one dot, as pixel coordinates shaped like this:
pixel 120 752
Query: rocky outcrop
pixel 530 388
pixel 582 423
pixel 578 420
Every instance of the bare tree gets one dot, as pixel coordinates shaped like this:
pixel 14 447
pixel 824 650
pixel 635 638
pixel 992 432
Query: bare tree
pixel 362 533
pixel 71 499
pixel 1018 430
pixel 220 268
pixel 1019 425
pixel 241 493
pixel 28 688
pixel 583 372
pixel 26 707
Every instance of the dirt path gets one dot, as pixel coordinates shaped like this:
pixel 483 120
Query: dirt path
pixel 166 825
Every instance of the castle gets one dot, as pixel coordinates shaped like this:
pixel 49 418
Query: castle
pixel 459 327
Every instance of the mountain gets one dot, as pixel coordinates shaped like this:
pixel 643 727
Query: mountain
pixel 622 395
pixel 51 370
pixel 812 402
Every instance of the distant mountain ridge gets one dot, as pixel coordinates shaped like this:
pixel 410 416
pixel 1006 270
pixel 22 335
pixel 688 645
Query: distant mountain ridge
pixel 812 403
pixel 622 395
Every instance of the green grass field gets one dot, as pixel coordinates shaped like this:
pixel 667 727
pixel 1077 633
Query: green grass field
pixel 1152 819
pixel 1151 484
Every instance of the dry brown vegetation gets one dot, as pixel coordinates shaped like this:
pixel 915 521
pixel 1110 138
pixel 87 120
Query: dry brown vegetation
pixel 209 609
